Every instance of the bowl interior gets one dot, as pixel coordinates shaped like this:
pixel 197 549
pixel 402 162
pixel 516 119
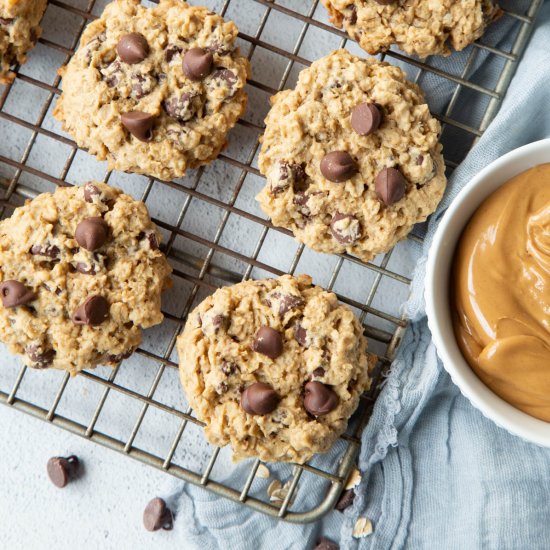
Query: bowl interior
pixel 437 291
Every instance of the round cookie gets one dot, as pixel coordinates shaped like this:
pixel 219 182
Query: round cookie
pixel 274 367
pixel 81 274
pixel 19 32
pixel 418 27
pixel 154 90
pixel 351 157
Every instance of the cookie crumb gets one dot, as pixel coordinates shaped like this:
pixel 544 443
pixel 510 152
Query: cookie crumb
pixel 362 528
pixel 262 471
pixel 353 480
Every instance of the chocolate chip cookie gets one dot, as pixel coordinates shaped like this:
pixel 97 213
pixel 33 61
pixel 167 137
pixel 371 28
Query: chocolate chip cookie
pixel 418 27
pixel 351 156
pixel 19 31
pixel 154 90
pixel 81 274
pixel 274 367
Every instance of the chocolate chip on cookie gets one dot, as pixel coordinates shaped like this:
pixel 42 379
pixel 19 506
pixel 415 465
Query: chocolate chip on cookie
pixel 40 357
pixel 365 118
pixel 15 294
pixel 139 124
pixel 197 63
pixel 268 342
pixel 345 228
pixel 338 166
pixel 90 191
pixel 132 48
pixel 319 399
pixel 93 311
pixel 92 233
pixel 259 398
pixel 390 186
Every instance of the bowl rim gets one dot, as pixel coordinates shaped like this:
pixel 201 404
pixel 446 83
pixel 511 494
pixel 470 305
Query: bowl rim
pixel 438 311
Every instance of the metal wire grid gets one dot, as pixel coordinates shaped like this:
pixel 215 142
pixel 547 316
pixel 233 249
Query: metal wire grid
pixel 203 273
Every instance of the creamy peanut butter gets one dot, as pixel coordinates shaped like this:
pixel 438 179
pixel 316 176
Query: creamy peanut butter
pixel 501 292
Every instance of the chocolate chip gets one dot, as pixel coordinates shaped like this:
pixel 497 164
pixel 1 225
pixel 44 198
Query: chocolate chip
pixel 319 399
pixel 182 107
pixel 229 77
pixel 319 372
pixel 346 500
pixel 325 544
pixel 419 160
pixel 228 368
pixel 85 269
pixel 338 166
pixel 15 294
pixel 345 228
pixel 139 124
pixel 92 312
pixel 90 191
pixel 365 118
pixel 197 63
pixel 6 21
pixel 158 516
pixel 289 302
pixel 153 244
pixel 41 358
pixel 115 359
pixel 62 470
pixel 220 321
pixel 385 2
pixel 142 85
pixel 170 51
pixel 48 250
pixel 300 334
pixel 390 186
pixel 268 342
pixel 352 17
pixel 217 47
pixel 259 398
pixel 92 233
pixel 132 48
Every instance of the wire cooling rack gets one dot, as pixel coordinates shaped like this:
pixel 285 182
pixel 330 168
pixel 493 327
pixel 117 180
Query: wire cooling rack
pixel 214 234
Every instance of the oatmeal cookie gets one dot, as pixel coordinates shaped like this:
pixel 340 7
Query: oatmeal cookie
pixel 154 90
pixel 351 156
pixel 81 274
pixel 274 367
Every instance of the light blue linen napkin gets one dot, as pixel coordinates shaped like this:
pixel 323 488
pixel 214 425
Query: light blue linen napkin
pixel 437 473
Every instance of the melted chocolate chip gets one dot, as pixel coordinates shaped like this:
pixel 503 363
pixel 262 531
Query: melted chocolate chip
pixel 338 166
pixel 48 250
pixel 345 228
pixel 41 358
pixel 390 186
pixel 182 107
pixel 132 48
pixel 228 368
pixel 229 77
pixel 6 21
pixel 92 312
pixel 117 358
pixel 300 334
pixel 139 124
pixel 15 294
pixel 142 85
pixel 197 63
pixel 319 399
pixel 385 2
pixel 259 398
pixel 289 302
pixel 268 342
pixel 319 372
pixel 92 233
pixel 90 191
pixel 85 269
pixel 170 51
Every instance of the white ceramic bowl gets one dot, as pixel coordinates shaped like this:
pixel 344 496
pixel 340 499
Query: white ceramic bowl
pixel 437 291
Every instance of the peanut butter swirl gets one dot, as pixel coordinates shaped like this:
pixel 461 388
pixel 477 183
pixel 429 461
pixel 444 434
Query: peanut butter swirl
pixel 501 284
